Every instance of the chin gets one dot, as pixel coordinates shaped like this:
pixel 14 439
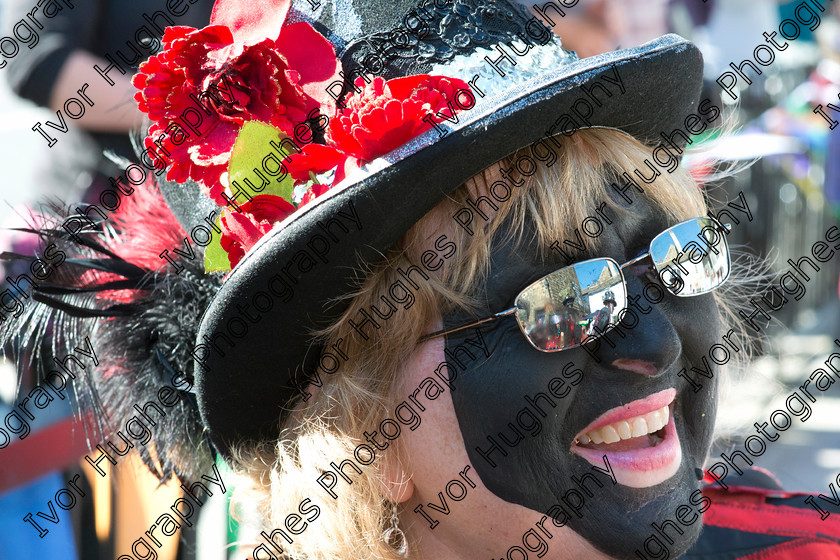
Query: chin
pixel 656 505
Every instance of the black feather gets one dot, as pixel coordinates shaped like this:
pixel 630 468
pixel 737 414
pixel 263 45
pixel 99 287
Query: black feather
pixel 142 325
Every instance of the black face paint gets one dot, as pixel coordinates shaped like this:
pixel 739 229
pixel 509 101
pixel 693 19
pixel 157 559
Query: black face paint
pixel 489 399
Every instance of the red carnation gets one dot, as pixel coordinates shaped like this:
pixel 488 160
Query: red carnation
pixel 386 115
pixel 242 230
pixel 315 158
pixel 238 83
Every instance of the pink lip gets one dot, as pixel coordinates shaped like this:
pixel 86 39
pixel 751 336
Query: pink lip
pixel 631 410
pixel 648 459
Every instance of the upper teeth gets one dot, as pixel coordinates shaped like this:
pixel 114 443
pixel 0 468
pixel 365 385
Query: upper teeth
pixel 626 429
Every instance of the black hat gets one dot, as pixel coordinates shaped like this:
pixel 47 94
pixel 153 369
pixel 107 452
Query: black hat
pixel 311 258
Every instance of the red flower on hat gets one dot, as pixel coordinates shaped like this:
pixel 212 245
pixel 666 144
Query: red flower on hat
pixel 241 230
pixel 314 192
pixel 204 85
pixel 387 114
pixel 316 158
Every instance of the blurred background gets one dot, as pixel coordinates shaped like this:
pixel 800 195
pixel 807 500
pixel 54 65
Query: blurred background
pixel 793 189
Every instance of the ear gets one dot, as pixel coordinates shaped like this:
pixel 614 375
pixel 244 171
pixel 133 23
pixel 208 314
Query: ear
pixel 395 483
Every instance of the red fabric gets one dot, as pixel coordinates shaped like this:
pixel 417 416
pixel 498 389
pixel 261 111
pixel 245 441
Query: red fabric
pixel 799 549
pixel 25 460
pixel 746 510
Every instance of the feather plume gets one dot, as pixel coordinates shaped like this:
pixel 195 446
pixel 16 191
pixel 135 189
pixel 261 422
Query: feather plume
pixel 141 316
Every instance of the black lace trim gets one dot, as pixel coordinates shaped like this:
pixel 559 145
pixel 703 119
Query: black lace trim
pixel 430 35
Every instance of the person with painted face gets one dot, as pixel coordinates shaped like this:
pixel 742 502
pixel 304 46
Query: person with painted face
pixel 392 245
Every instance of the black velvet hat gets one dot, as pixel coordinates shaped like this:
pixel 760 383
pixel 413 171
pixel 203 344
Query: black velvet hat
pixel 254 351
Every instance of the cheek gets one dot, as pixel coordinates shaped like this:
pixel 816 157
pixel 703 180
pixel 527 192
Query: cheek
pixel 700 326
pixel 434 455
pixel 434 452
pixel 697 320
pixel 519 446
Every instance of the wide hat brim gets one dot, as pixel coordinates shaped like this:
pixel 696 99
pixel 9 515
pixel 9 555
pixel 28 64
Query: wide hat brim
pixel 244 394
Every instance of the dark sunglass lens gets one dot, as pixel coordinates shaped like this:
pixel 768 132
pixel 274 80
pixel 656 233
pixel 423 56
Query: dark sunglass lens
pixel 564 308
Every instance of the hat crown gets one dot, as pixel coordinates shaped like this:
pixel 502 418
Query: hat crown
pixel 407 37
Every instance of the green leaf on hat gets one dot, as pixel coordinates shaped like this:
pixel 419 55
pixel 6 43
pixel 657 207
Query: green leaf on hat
pixel 251 151
pixel 216 258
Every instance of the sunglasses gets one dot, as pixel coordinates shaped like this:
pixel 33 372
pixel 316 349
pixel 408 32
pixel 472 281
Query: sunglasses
pixel 580 302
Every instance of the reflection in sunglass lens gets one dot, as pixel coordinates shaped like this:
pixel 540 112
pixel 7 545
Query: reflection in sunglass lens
pixel 692 258
pixel 572 304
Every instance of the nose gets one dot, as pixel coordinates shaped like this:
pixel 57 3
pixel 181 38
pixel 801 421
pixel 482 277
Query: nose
pixel 644 341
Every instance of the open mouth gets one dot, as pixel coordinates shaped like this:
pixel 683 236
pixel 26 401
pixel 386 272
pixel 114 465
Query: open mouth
pixel 639 439
pixel 638 432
